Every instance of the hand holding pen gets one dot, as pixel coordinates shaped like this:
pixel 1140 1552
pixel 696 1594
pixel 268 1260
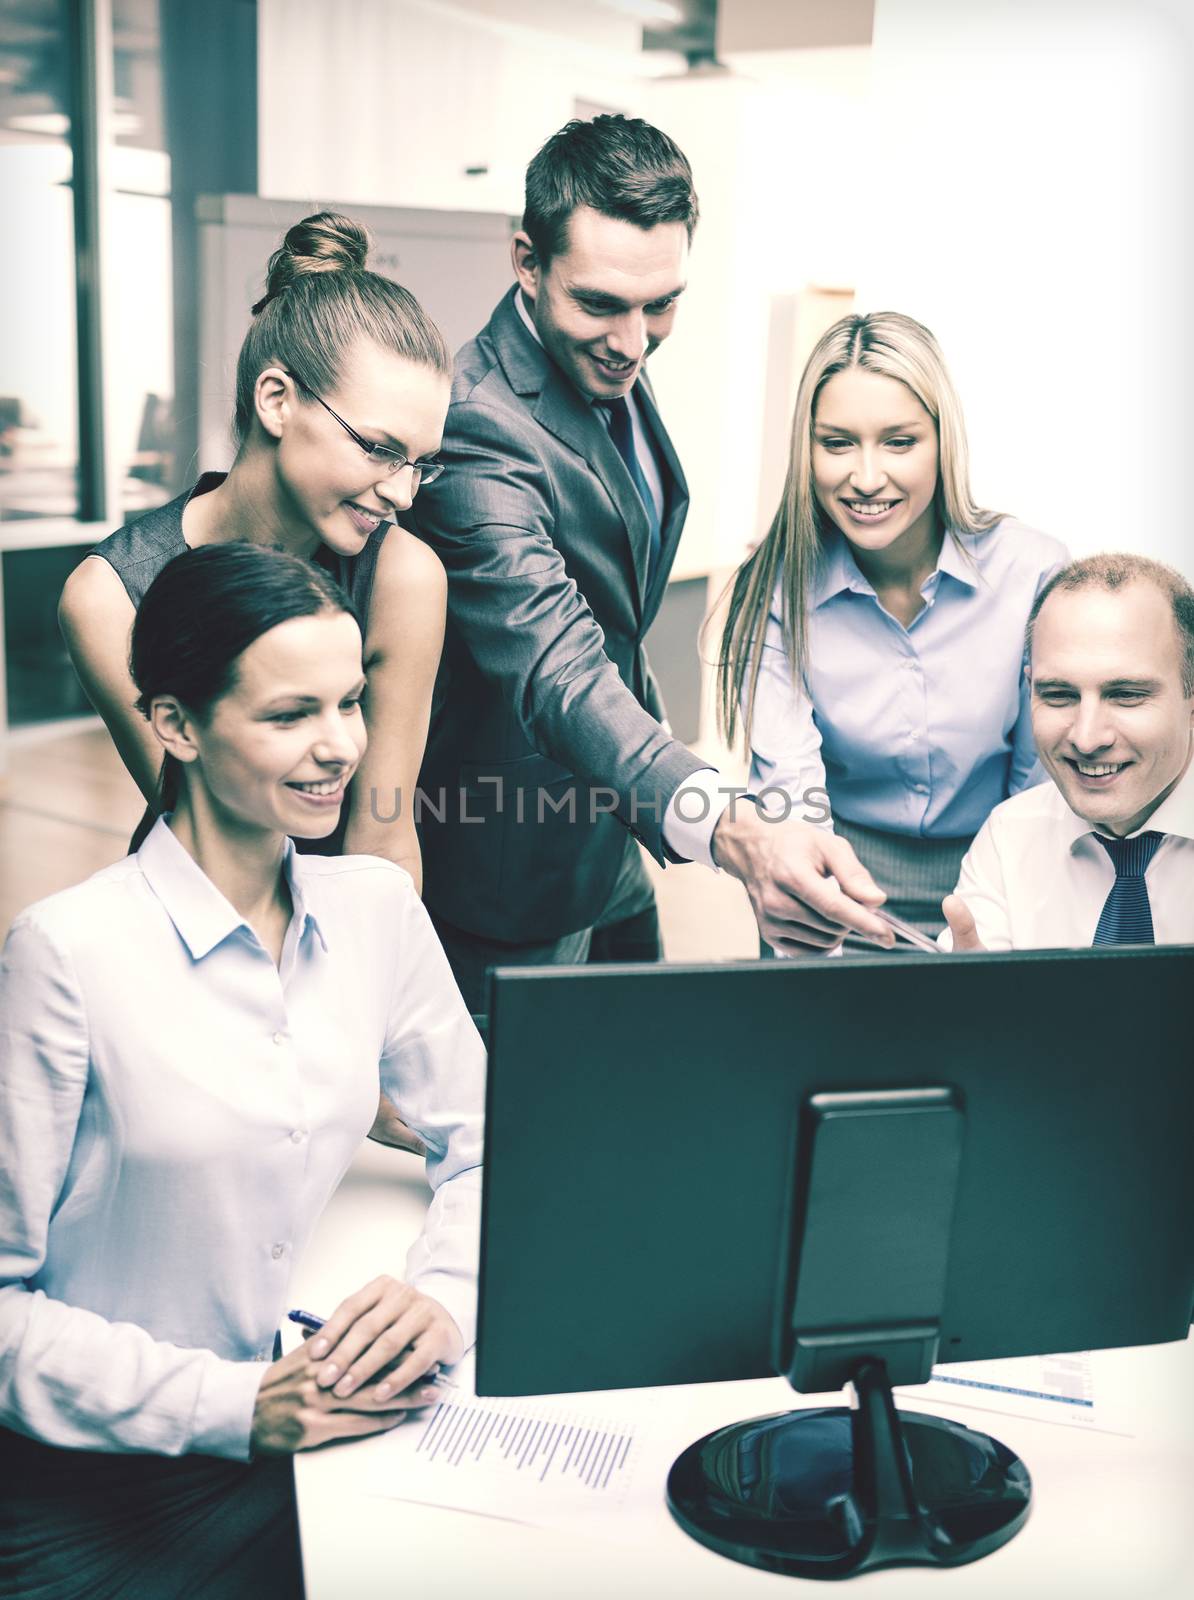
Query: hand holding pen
pixel 390 1325
pixel 311 1324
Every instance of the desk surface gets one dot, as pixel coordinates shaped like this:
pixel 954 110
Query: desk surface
pixel 1108 1520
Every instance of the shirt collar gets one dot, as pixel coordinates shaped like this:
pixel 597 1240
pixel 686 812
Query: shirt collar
pixel 203 917
pixel 838 571
pixel 1174 815
pixel 956 562
pixel 520 306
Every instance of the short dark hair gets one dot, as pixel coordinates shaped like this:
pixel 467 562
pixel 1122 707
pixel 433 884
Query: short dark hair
pixel 619 166
pixel 203 611
pixel 1115 571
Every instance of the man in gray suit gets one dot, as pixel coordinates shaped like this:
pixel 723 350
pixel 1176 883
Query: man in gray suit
pixel 557 520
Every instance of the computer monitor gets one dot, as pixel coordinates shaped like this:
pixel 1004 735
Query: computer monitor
pixel 839 1171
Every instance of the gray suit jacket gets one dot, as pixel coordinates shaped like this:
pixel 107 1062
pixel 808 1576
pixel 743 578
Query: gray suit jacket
pixel 545 741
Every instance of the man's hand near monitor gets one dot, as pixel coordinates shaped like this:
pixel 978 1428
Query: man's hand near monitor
pixel 806 886
pixel 961 923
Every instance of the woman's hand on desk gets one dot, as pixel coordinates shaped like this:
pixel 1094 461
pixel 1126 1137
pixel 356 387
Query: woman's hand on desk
pixel 373 1360
pixel 294 1413
pixel 387 1332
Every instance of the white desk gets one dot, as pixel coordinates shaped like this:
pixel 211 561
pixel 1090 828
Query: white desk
pixel 1110 1517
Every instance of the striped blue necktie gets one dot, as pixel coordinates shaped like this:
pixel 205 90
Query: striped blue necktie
pixel 1127 917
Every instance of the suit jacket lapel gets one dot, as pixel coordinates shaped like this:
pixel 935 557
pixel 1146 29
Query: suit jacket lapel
pixel 675 487
pixel 564 412
pixel 567 414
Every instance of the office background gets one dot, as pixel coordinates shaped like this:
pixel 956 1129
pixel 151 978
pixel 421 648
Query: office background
pixel 1016 173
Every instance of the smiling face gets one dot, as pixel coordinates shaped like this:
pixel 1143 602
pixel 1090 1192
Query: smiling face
pixel 875 460
pixel 604 304
pixel 1112 723
pixel 326 483
pixel 276 750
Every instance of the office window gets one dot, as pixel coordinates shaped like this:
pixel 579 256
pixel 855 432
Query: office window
pixel 39 433
pixel 139 276
pixel 115 116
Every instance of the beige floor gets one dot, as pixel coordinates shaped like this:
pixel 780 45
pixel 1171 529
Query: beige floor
pixel 67 807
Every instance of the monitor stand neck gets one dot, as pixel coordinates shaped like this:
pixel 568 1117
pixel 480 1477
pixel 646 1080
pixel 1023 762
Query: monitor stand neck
pixel 882 1476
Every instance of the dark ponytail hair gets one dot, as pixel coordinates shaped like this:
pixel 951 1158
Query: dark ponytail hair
pixel 320 298
pixel 203 611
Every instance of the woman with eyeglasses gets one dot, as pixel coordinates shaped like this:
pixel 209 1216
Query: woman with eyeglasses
pixel 191 1044
pixel 341 392
pixel 342 388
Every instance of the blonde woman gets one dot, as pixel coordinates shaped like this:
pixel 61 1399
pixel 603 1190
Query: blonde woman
pixel 872 653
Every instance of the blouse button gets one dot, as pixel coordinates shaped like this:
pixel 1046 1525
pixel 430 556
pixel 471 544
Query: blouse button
pixel 297 1136
pixel 278 1251
pixel 279 1038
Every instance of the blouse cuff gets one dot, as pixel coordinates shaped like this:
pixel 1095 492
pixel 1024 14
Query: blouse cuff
pixel 457 1296
pixel 223 1422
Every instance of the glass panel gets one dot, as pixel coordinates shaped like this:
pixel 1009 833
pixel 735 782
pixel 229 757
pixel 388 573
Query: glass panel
pixel 139 287
pixel 39 441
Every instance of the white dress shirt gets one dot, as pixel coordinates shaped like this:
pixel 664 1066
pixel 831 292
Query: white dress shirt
pixel 175 1112
pixel 1036 876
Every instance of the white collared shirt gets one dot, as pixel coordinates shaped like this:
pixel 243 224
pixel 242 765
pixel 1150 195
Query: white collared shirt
pixel 1036 876
pixel 175 1112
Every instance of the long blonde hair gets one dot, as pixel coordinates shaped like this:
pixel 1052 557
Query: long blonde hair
pixel 896 347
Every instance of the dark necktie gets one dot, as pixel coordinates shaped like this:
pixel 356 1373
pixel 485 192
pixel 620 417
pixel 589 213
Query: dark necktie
pixel 1127 917
pixel 621 431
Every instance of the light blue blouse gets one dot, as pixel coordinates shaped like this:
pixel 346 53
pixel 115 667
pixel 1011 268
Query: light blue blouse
pixel 175 1112
pixel 920 730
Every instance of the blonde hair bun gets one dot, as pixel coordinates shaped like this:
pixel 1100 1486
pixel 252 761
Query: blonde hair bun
pixel 325 242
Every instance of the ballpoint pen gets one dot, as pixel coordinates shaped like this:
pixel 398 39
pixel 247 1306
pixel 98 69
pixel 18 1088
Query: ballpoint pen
pixel 905 930
pixel 306 1319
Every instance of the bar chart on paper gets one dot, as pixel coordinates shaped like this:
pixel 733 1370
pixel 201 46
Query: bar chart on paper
pixel 470 1436
pixel 1057 1380
pixel 539 1460
pixel 1054 1388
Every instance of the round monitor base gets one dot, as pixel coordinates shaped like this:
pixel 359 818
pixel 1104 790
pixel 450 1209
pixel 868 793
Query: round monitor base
pixel 787 1493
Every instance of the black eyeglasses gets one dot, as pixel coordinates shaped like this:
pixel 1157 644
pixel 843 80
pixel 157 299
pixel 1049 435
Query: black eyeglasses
pixel 380 455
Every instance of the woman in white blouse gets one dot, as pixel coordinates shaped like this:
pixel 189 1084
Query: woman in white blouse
pixel 190 1051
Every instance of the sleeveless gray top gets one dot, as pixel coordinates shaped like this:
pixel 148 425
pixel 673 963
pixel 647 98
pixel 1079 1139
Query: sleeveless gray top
pixel 138 552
